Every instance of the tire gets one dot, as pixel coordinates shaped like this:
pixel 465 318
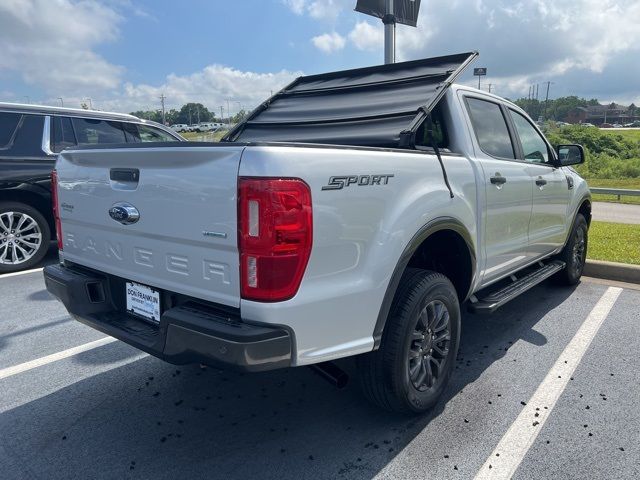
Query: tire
pixel 388 375
pixel 574 253
pixel 24 248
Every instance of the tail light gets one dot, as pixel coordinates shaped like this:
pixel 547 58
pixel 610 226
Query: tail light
pixel 274 237
pixel 56 207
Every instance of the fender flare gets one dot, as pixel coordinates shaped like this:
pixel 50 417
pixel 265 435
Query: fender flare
pixel 585 198
pixel 435 225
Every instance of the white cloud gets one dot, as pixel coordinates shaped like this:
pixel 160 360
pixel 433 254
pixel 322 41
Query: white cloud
pixel 524 42
pixel 296 6
pixel 366 36
pixel 50 44
pixel 329 42
pixel 326 10
pixel 579 44
pixel 212 86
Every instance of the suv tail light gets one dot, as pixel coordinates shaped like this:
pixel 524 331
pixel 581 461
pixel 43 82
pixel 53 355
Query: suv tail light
pixel 56 207
pixel 274 237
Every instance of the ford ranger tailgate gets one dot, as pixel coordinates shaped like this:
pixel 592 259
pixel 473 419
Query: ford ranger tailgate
pixel 163 217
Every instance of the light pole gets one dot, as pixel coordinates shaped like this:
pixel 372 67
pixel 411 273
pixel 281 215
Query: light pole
pixel 389 21
pixel 61 101
pixel 90 103
pixel 391 12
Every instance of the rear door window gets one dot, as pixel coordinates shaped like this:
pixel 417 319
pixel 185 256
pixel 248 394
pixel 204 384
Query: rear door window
pixel 8 125
pixel 137 132
pixel 490 127
pixel 152 134
pixel 97 132
pixel 62 134
pixel 28 137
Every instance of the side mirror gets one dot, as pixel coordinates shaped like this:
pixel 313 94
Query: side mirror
pixel 570 155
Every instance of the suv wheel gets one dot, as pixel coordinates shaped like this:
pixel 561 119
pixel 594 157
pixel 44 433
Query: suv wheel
pixel 411 369
pixel 574 253
pixel 24 236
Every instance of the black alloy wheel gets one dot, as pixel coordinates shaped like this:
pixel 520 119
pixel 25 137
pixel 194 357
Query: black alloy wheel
pixel 429 347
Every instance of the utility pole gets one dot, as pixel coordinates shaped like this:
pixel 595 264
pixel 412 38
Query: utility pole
pixel 162 97
pixel 228 112
pixel 546 100
pixel 190 122
pixel 490 85
pixel 61 101
pixel 537 91
pixel 221 113
pixel 198 114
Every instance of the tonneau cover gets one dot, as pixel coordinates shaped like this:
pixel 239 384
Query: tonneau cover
pixel 377 106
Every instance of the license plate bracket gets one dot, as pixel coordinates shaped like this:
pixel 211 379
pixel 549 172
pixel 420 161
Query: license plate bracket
pixel 143 301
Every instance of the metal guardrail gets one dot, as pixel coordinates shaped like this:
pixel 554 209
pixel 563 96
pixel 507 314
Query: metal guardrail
pixel 616 191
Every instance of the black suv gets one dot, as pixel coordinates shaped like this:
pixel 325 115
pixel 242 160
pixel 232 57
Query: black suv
pixel 30 139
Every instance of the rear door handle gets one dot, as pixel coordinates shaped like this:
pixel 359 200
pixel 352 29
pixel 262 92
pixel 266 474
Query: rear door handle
pixel 541 182
pixel 498 180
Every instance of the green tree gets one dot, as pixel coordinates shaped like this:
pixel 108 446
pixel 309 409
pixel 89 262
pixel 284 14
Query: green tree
pixel 560 107
pixel 153 115
pixel 238 117
pixel 193 113
pixel 608 155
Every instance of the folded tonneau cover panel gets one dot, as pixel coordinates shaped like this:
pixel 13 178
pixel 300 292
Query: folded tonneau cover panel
pixel 369 106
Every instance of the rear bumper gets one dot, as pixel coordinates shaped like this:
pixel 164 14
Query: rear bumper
pixel 188 332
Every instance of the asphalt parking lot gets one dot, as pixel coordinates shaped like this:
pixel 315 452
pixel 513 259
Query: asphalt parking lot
pixel 112 412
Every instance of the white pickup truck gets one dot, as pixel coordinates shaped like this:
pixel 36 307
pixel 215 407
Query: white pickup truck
pixel 353 213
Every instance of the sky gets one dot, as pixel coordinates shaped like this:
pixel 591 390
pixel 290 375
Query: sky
pixel 125 54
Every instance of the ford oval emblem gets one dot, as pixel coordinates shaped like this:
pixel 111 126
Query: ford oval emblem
pixel 124 213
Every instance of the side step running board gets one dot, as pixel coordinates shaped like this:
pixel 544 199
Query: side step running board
pixel 497 298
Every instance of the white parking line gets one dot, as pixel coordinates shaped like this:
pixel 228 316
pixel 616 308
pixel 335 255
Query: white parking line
pixel 24 272
pixel 54 357
pixel 507 456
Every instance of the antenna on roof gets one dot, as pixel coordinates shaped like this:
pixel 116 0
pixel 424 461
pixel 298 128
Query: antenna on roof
pixel 391 12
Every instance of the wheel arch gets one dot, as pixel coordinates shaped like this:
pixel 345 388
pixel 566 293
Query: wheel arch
pixel 585 209
pixel 421 252
pixel 33 197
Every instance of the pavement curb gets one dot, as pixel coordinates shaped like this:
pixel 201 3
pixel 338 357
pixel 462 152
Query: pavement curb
pixel 621 272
